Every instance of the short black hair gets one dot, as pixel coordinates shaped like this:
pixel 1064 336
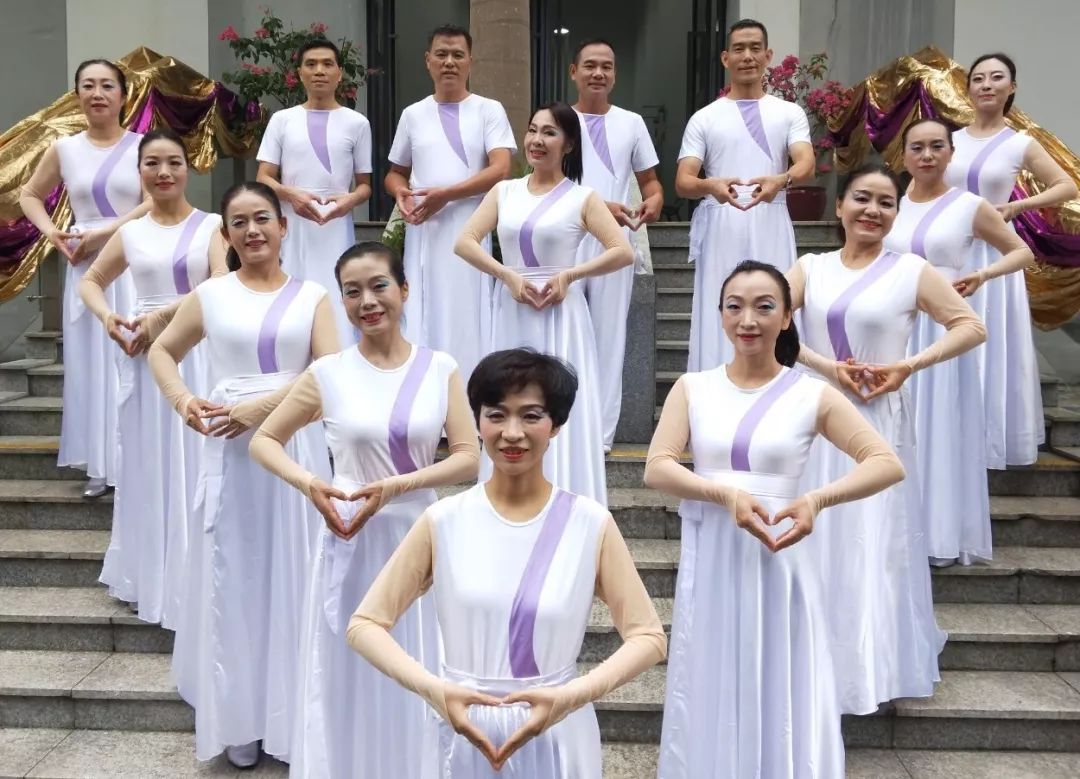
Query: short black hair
pixel 512 370
pixel 590 42
pixel 162 134
pixel 449 31
pixel 317 42
pixel 567 120
pixel 748 24
pixel 380 250
pixel 1008 62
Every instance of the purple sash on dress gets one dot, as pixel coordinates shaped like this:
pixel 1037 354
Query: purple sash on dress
pixel 918 238
pixel 317 122
pixel 744 432
pixel 527 598
pixel 597 127
pixel 450 119
pixel 838 310
pixel 528 253
pixel 180 253
pixel 98 189
pixel 751 116
pixel 267 348
pixel 980 159
pixel 402 410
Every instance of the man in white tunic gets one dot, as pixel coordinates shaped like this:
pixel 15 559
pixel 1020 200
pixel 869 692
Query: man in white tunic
pixel 742 141
pixel 449 150
pixel 616 146
pixel 317 158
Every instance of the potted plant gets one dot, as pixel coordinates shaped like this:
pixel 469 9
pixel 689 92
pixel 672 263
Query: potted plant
pixel 268 64
pixel 804 83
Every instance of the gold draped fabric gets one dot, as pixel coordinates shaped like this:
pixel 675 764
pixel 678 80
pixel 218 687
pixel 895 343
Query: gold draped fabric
pixel 929 79
pixel 162 91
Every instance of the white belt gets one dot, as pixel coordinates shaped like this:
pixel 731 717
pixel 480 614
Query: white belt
pixel 501 686
pixel 542 274
pixel 758 484
pixel 151 303
pixel 238 388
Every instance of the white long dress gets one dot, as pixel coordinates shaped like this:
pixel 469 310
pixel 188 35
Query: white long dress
pixel 950 426
pixel 319 152
pixel 513 601
pixel 615 146
pixel 743 139
pixel 354 721
pixel 449 305
pixel 872 552
pixel 159 456
pixel 1012 396
pixel 539 236
pixel 236 656
pixel 750 688
pixel 102 184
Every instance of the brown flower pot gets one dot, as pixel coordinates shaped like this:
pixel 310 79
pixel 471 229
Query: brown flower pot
pixel 806 204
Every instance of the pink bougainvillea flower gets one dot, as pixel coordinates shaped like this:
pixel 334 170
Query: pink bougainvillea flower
pixel 291 80
pixel 318 28
pixel 262 32
pixel 229 34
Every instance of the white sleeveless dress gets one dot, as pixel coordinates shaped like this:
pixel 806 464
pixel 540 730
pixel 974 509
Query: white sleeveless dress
pixel 750 688
pixel 744 139
pixel 539 236
pixel 513 600
pixel 320 152
pixel 950 435
pixel 353 721
pixel 872 552
pixel 159 456
pixel 237 648
pixel 1012 395
pixel 102 184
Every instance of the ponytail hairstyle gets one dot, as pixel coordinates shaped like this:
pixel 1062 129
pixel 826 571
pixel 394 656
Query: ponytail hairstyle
pixel 866 169
pixel 929 120
pixel 1006 60
pixel 121 79
pixel 567 120
pixel 163 134
pixel 232 259
pixel 378 249
pixel 787 343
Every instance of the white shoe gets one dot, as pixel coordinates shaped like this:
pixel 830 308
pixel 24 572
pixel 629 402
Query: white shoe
pixel 244 756
pixel 95 488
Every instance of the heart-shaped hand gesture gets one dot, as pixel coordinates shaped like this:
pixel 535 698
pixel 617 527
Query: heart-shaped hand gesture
pixel 855 377
pixel 556 289
pixel 801 523
pixel 65 242
pixel 725 190
pixel 120 330
pixel 766 188
pixel 339 206
pixel 543 702
pixel 87 244
pixel 458 699
pixel 304 204
pixel 522 291
pixel 888 378
pixel 198 409
pixel 327 500
pixel 752 517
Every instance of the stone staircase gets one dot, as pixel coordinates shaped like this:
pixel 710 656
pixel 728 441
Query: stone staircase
pixel 85 689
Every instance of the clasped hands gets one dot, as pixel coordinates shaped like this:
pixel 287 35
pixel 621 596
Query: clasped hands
pixel 766 188
pixel 547 706
pixel 866 381
pixel 212 419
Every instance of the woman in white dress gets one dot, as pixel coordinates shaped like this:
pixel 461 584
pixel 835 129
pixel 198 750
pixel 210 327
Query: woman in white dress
pixel 988 156
pixel 99 169
pixel 261 329
pixel 514 564
pixel 384 403
pixel 169 251
pixel 859 306
pixel 940 224
pixel 541 219
pixel 750 689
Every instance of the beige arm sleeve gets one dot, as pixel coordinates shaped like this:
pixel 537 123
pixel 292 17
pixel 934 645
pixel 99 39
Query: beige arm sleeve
pixel 300 405
pixel 963 328
pixel 991 227
pixel 597 219
pixel 820 364
pixel 663 470
pixel 619 585
pixel 105 269
pixel 482 222
pixel 877 466
pixel 180 337
pixel 34 192
pixel 405 577
pixel 324 336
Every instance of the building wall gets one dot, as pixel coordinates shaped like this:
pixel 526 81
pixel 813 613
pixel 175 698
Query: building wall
pixel 1039 35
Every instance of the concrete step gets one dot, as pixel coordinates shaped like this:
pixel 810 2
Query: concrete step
pixel 672 356
pixel 1064 427
pixel 30 416
pixel 13 374
pixel 673 327
pixel 1009 637
pixel 51 558
pixel 674 275
pixel 674 300
pixel 83 619
pixel 47 380
pixel 33 457
pixel 44 345
pixel 1017 574
pixel 51 504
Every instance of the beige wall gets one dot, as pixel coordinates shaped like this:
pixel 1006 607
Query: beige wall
pixel 780 17
pixel 1040 35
